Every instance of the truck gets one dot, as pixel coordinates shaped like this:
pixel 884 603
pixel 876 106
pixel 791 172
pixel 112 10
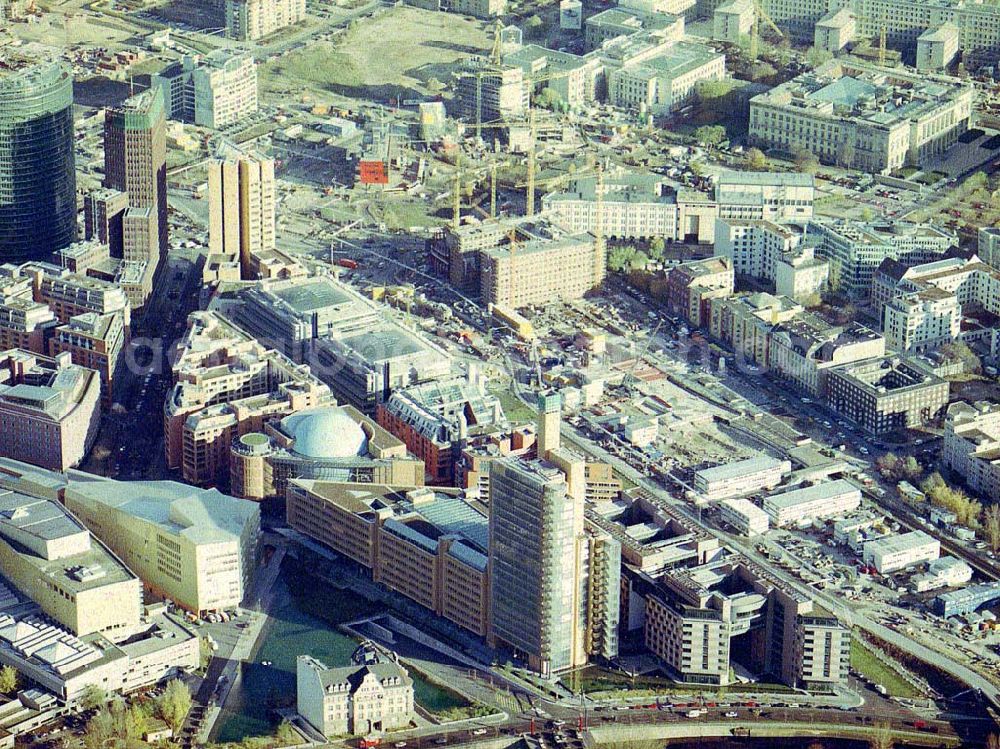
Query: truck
pixel 695 713
pixel 346 262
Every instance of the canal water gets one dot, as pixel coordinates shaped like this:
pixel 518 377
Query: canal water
pixel 304 620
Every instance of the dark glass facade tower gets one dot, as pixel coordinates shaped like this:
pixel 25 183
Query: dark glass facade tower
pixel 37 168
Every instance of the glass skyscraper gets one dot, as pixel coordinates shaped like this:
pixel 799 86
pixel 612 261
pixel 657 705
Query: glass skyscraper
pixel 37 168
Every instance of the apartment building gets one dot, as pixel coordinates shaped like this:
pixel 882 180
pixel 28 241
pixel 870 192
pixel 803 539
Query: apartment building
pixel 700 620
pixel 95 342
pixel 250 20
pixel 195 547
pixel 805 349
pixel 354 700
pixel 923 306
pixel 740 477
pixel 988 248
pixel 477 8
pixel 971 445
pixel 437 419
pixel 745 322
pixel 829 499
pixel 215 90
pixel 70 294
pixel 540 271
pixel 772 252
pixel 692 286
pixel 25 324
pixel 860 116
pixel 50 409
pixel 426 544
pixel 664 83
pixel 887 394
pixel 897 552
pixel 856 250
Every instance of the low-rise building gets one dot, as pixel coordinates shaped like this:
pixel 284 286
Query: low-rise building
pixel 732 21
pixel 893 553
pixel 937 47
pixel 353 700
pixel 624 21
pixel 966 600
pixel 945 572
pixel 830 499
pixel 886 394
pixel 835 30
pixel 741 477
pixel 743 515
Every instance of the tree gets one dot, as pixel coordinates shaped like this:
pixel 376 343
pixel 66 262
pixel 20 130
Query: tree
pixel 816 56
pixel 710 135
pixel 882 737
pixel 993 741
pixel 910 469
pixel 639 261
pixel 549 98
pixel 8 680
pixel 991 529
pixel 285 734
pixel 806 161
pixel 762 70
pixel 711 92
pixel 754 160
pixel 620 258
pixel 888 465
pixel 657 248
pixel 93 696
pixel 173 705
pixel 960 352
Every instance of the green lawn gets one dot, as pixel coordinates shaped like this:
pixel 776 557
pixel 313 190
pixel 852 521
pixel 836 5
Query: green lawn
pixel 868 664
pixel 515 410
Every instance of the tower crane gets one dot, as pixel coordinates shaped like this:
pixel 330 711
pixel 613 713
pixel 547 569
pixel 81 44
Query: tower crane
pixel 759 14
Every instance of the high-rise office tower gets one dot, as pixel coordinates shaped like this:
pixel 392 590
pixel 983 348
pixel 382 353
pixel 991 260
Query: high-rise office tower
pixel 554 581
pixel 103 211
pixel 37 168
pixel 549 418
pixel 240 205
pixel 135 156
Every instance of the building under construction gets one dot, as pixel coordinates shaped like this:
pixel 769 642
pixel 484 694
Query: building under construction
pixel 487 92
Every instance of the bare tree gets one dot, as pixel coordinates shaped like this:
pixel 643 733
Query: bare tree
pixel 991 527
pixel 882 737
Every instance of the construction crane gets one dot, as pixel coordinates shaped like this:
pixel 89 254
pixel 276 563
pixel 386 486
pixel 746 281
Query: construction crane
pixel 882 25
pixel 456 206
pixel 529 196
pixel 759 14
pixel 600 260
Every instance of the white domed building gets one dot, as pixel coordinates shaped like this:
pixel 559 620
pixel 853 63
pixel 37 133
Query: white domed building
pixel 334 443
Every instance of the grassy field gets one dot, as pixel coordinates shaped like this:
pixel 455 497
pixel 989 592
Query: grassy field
pixel 392 55
pixel 872 667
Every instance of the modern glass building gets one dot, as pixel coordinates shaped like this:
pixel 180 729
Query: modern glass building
pixel 37 169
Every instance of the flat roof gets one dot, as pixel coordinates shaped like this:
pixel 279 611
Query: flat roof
pixel 812 493
pixel 739 468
